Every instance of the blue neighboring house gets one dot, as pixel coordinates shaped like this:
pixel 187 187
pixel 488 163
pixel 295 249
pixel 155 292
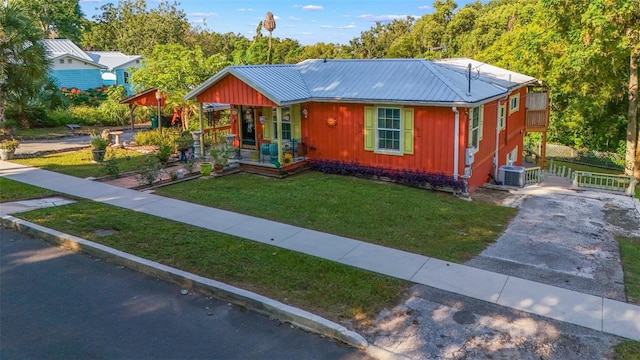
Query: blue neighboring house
pixel 72 67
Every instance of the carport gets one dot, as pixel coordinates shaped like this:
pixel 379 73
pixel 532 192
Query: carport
pixel 150 97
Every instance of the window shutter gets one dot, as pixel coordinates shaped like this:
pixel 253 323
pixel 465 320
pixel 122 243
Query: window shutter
pixel 296 132
pixel 407 132
pixel 369 128
pixel 267 132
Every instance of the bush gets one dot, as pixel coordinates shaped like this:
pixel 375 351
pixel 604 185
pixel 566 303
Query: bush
pixel 407 177
pixel 153 137
pixel 87 115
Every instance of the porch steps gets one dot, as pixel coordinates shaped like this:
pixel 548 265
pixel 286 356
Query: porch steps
pixel 293 169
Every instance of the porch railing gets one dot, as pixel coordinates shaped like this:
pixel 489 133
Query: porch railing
pixel 619 183
pixel 533 175
pixel 216 134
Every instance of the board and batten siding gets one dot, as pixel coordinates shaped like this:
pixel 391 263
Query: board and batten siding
pixel 432 129
pixel 230 90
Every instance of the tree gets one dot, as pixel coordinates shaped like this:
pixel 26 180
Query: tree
pixel 133 29
pixel 57 19
pixel 176 70
pixel 23 64
pixel 269 24
pixel 604 45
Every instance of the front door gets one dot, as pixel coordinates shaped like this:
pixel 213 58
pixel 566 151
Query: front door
pixel 248 130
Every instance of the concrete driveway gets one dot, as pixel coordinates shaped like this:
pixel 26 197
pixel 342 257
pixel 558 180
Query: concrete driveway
pixel 560 237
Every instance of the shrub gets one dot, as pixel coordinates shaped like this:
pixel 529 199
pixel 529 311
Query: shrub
pixel 407 177
pixel 87 115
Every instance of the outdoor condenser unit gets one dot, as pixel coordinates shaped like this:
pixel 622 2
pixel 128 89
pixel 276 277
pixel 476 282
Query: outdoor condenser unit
pixel 511 175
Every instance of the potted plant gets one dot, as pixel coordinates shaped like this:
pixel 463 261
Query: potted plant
pixel 183 143
pixel 220 155
pixel 99 147
pixel 8 148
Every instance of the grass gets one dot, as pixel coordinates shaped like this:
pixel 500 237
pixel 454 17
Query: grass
pixel 419 221
pixel 79 163
pixel 11 190
pixel 630 258
pixel 330 289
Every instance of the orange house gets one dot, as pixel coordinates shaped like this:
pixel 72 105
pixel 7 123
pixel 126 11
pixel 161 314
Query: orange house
pixel 459 117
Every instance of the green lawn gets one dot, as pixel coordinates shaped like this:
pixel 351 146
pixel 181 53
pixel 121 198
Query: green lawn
pixel 329 289
pixel 420 221
pixel 13 190
pixel 79 163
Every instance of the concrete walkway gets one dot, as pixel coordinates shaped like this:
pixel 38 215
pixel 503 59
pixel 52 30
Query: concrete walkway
pixel 590 311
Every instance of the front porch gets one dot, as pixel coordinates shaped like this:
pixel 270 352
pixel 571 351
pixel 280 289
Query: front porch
pixel 255 162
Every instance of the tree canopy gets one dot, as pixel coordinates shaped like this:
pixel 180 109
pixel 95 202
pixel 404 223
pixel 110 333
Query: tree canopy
pixel 586 51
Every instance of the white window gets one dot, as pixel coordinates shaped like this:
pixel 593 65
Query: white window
pixel 514 103
pixel 126 77
pixel 61 61
pixel 502 116
pixel 69 61
pixel 475 127
pixel 512 156
pixel 388 130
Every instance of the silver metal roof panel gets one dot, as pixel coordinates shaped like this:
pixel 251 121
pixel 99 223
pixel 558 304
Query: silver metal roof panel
pixel 415 81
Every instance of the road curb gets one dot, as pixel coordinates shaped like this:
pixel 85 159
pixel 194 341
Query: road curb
pixel 258 303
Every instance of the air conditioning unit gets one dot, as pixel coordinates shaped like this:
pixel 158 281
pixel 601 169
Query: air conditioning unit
pixel 511 175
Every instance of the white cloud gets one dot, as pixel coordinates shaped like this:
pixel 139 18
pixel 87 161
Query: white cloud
pixel 293 18
pixel 243 9
pixel 90 1
pixel 276 17
pixel 312 8
pixel 207 14
pixel 350 26
pixel 383 18
pixel 306 33
pixel 197 21
pixel 424 7
pixel 326 27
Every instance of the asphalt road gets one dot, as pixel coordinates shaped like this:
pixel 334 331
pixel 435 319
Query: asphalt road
pixel 57 304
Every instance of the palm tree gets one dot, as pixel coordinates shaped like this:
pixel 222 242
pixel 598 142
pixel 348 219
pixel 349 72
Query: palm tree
pixel 23 63
pixel 269 24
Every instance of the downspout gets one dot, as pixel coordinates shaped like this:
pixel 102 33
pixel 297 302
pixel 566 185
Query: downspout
pixel 456 142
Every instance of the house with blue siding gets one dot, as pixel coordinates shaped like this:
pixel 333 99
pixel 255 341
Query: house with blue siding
pixel 71 67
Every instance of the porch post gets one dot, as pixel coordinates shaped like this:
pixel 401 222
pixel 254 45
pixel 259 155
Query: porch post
pixel 201 131
pixel 279 131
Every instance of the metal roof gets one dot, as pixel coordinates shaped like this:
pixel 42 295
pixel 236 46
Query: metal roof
pixel 411 81
pixel 112 59
pixel 61 47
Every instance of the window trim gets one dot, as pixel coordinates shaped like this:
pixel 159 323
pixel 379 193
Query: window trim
pixel 512 98
pixel 376 148
pixel 472 112
pixel 512 157
pixel 502 117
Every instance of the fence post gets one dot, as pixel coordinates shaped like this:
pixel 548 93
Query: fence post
pixel 631 190
pixel 575 178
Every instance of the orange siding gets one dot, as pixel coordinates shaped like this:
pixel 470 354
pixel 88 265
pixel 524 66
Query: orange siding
pixel 230 90
pixel 433 138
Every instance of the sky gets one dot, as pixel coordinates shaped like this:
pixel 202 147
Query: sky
pixel 328 21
